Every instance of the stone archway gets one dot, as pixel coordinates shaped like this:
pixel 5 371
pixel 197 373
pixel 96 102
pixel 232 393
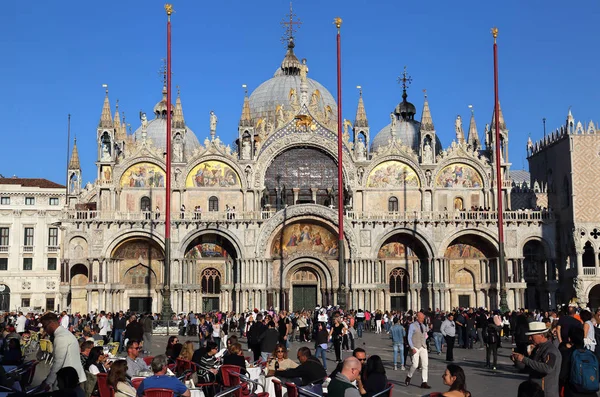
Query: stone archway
pixel 307 282
pixel 473 273
pixel 594 297
pixel 138 264
pixel 4 298
pixel 211 262
pixel 403 250
pixel 78 294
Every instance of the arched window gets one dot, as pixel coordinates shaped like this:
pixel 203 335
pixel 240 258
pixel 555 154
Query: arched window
pixel 588 255
pixel 213 204
pixel 211 281
pixel 398 281
pixel 145 204
pixel 393 204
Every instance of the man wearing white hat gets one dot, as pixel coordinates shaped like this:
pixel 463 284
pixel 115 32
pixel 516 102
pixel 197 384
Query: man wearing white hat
pixel 543 363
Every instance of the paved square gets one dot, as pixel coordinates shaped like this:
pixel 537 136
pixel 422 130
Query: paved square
pixel 480 381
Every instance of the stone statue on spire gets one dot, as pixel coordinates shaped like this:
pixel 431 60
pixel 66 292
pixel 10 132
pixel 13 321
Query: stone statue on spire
pixel 213 124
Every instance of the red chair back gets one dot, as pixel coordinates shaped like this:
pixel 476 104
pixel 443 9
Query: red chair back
pixel 391 386
pixel 159 393
pixel 135 382
pixel 277 387
pixel 102 385
pixel 148 359
pixel 291 389
pixel 228 377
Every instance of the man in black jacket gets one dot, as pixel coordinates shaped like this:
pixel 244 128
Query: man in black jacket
pixel 255 331
pixel 268 341
pixel 134 330
pixel 309 371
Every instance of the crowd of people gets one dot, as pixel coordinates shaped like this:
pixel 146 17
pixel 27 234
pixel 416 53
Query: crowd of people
pixel 557 349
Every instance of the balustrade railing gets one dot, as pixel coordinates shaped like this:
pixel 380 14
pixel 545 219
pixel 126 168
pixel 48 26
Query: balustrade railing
pixel 213 216
pixel 589 271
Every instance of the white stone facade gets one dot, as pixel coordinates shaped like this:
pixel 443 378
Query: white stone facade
pixel 30 243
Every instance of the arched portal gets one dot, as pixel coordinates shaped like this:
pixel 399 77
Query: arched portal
pixel 474 274
pixel 594 297
pixel 4 298
pixel 211 262
pixel 534 273
pixel 399 289
pixel 307 282
pixel 140 264
pixel 405 258
pixel 78 280
pixel 305 289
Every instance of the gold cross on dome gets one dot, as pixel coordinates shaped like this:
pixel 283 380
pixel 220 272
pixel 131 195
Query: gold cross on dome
pixel 404 79
pixel 291 25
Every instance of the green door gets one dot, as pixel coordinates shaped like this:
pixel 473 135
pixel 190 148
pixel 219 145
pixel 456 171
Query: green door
pixel 305 297
pixel 140 305
pixel 210 305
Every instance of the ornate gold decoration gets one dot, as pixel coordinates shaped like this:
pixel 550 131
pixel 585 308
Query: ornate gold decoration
pixel 303 121
pixel 495 33
pixel 337 21
pixel 169 9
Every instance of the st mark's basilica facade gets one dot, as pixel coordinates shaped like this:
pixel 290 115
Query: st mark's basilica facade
pixel 254 223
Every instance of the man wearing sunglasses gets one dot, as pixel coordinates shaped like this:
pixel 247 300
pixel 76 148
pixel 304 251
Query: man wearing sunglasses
pixel 135 364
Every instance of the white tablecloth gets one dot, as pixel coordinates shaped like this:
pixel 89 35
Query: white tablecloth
pixel 196 393
pixel 270 387
pixel 256 375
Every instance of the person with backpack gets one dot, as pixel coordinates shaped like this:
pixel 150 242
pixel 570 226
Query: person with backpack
pixel 579 370
pixel 491 338
pixel 544 362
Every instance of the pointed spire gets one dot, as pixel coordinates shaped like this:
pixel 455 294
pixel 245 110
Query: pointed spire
pixel 74 162
pixel 502 123
pixel 426 120
pixel 178 121
pixel 106 120
pixel 117 118
pixel 361 113
pixel 473 137
pixel 246 119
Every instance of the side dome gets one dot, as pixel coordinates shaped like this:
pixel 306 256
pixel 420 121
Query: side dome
pixel 407 131
pixel 157 132
pixel 276 91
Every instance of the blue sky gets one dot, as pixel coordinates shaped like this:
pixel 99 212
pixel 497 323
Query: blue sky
pixel 57 55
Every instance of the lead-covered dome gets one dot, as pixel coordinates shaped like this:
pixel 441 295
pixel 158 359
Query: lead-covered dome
pixel 277 90
pixel 405 128
pixel 157 132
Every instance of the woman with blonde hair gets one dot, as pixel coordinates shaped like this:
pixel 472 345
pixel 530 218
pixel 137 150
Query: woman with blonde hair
pixel 279 360
pixel 187 352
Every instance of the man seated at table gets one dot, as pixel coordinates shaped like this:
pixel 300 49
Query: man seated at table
pixel 134 363
pixel 309 371
pixel 160 379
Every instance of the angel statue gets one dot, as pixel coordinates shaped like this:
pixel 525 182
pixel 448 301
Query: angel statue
pixel 303 71
pixel 393 120
pixel 213 122
pixel 144 120
pixel 280 115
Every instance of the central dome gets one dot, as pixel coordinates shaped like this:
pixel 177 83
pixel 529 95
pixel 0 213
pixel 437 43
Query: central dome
pixel 276 91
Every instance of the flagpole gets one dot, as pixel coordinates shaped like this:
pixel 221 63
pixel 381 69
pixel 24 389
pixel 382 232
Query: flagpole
pixel 68 157
pixel 501 264
pixel 341 259
pixel 166 303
